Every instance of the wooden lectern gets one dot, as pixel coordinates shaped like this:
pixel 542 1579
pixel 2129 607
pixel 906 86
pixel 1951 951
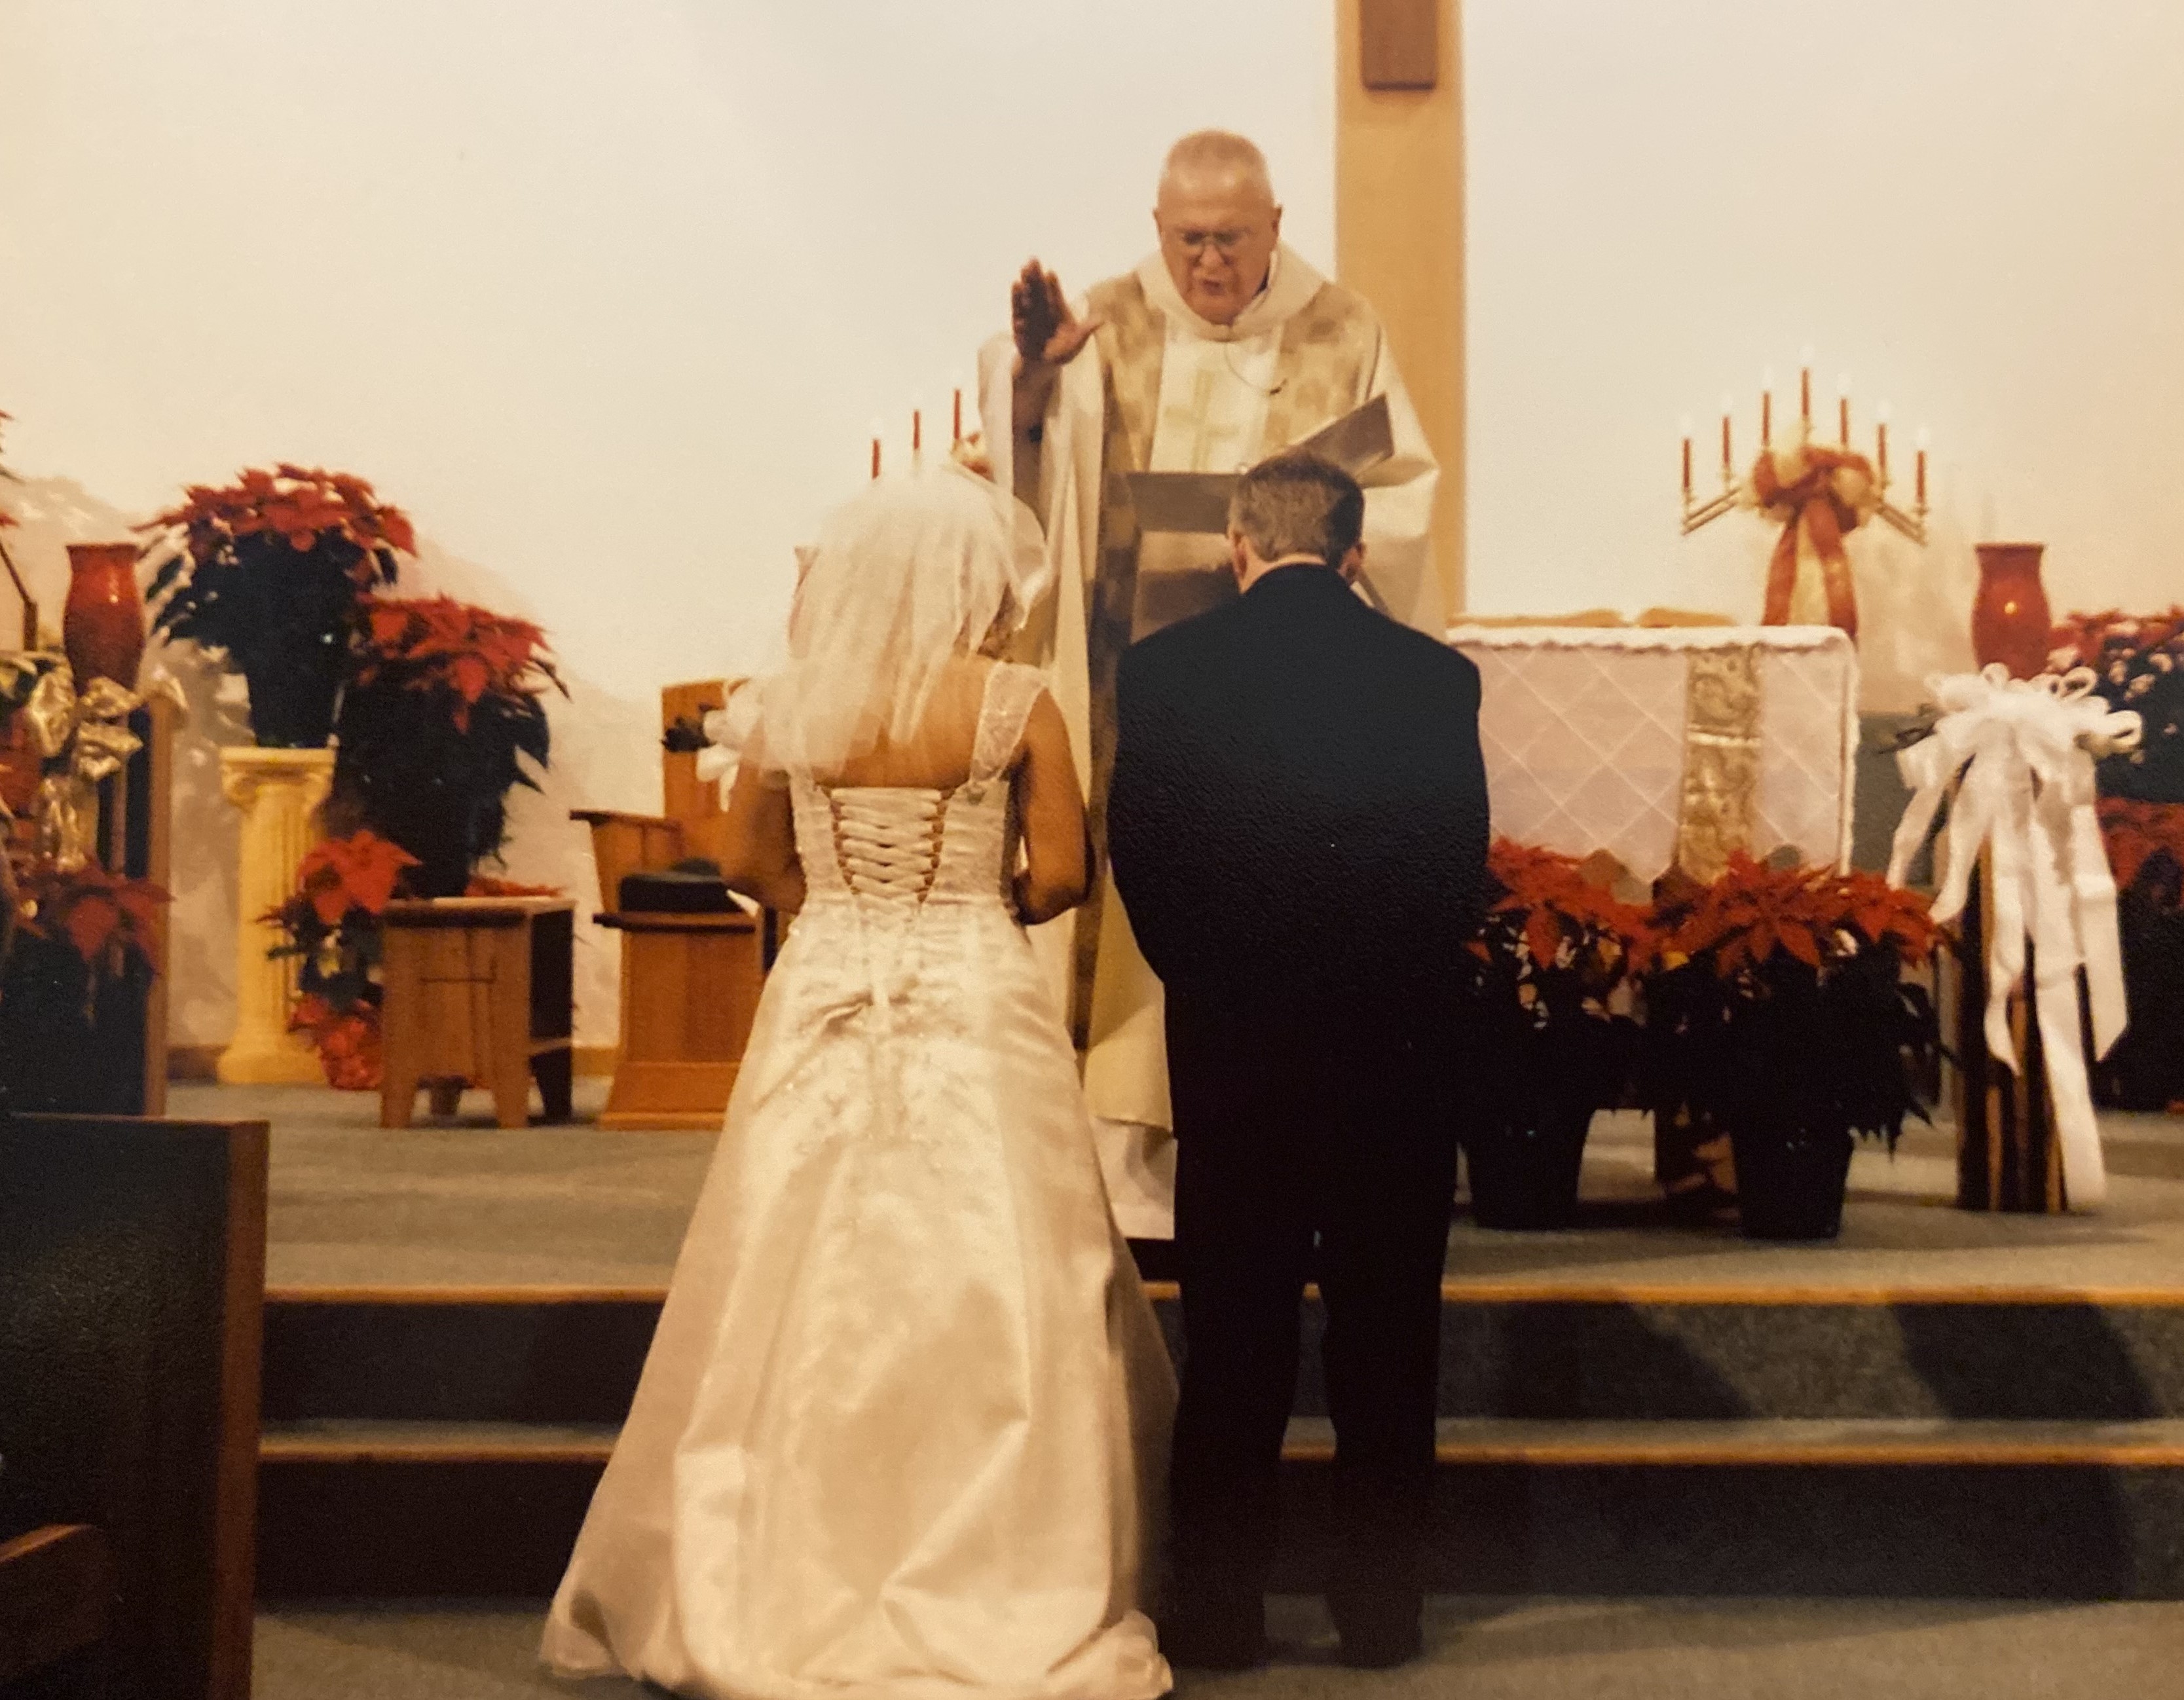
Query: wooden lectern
pixel 692 960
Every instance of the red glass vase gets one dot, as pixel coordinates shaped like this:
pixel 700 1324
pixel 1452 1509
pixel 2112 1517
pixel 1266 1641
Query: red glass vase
pixel 2010 621
pixel 103 626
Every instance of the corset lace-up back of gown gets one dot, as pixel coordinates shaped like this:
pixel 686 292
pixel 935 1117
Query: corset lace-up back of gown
pixel 903 1420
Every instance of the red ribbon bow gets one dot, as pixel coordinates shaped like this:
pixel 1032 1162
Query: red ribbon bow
pixel 1813 502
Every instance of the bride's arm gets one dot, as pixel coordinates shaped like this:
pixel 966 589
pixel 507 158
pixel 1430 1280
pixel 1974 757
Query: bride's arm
pixel 758 855
pixel 1056 871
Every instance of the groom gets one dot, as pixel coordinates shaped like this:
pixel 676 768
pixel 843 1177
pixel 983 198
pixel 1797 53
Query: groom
pixel 1298 829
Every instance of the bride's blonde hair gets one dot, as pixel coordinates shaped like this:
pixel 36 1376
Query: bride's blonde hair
pixel 911 573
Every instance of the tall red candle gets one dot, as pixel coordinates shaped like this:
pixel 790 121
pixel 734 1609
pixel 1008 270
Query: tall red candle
pixel 876 457
pixel 1766 418
pixel 1725 456
pixel 958 426
pixel 1881 444
pixel 1805 394
pixel 1842 419
pixel 1687 466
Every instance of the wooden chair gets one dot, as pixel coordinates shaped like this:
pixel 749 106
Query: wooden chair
pixel 690 975
pixel 133 1256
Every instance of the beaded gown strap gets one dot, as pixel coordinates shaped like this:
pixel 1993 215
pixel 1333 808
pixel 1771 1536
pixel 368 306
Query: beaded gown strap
pixel 1012 689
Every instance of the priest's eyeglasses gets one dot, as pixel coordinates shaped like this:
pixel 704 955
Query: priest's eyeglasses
pixel 1195 243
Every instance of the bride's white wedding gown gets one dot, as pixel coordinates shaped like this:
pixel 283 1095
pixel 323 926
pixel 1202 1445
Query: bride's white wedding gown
pixel 903 1420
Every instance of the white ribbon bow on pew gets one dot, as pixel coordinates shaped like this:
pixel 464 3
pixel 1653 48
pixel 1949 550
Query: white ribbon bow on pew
pixel 2018 756
pixel 728 734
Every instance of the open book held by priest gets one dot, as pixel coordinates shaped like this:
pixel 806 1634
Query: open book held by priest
pixel 1357 442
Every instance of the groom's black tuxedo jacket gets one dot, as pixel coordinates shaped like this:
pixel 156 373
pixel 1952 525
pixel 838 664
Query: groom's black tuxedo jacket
pixel 1297 813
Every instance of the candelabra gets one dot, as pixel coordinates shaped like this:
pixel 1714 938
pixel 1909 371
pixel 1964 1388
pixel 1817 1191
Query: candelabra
pixel 1735 493
pixel 917 432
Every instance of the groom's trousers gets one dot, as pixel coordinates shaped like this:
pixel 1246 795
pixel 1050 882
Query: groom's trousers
pixel 1311 1144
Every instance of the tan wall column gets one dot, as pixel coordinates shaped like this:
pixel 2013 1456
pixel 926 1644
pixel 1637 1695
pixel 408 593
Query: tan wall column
pixel 279 792
pixel 1399 239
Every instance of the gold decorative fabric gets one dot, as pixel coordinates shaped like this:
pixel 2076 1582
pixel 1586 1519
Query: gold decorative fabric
pixel 1130 345
pixel 1721 760
pixel 1323 369
pixel 91 730
pixel 1325 365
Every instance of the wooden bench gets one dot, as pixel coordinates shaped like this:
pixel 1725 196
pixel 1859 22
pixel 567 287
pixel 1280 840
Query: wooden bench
pixel 478 990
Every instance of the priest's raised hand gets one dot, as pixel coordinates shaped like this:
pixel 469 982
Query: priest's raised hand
pixel 1047 333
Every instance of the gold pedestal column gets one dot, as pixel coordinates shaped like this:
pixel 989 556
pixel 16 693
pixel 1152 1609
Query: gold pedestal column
pixel 279 792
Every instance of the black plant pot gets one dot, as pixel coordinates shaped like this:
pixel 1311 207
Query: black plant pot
pixel 1791 1188
pixel 294 689
pixel 1526 1177
pixel 63 1048
pixel 2146 1069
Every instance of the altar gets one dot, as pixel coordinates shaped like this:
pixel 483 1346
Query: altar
pixel 1667 746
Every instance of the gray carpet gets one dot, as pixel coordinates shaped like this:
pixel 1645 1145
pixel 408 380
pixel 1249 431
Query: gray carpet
pixel 1478 1649
pixel 466 1203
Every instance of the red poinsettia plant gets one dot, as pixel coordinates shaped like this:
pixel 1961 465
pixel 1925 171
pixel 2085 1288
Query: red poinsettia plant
pixel 2145 843
pixel 107 919
pixel 270 572
pixel 2145 848
pixel 302 506
pixel 439 645
pixel 1777 1005
pixel 329 925
pixel 1552 914
pixel 436 728
pixel 2137 661
pixel 332 924
pixel 1551 1007
pixel 1756 913
pixel 347 1041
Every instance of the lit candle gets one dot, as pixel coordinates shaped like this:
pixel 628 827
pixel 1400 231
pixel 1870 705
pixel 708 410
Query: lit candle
pixel 916 430
pixel 1881 440
pixel 1843 407
pixel 1726 474
pixel 1921 465
pixel 958 425
pixel 1686 423
pixel 1805 394
pixel 1766 408
pixel 878 431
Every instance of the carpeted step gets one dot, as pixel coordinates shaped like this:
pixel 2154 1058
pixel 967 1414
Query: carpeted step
pixel 519 1354
pixel 1540 1352
pixel 1909 1507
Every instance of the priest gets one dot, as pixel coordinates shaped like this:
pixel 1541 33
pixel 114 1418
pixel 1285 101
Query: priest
pixel 1215 351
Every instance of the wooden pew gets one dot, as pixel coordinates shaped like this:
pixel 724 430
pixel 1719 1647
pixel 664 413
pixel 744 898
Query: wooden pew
pixel 132 1277
pixel 56 1600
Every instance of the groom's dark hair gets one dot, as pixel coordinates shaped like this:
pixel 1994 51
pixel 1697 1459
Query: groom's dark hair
pixel 1297 504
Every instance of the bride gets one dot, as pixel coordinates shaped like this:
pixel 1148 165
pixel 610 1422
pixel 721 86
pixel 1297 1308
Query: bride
pixel 901 1424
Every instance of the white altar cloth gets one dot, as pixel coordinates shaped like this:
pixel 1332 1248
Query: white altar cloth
pixel 1585 730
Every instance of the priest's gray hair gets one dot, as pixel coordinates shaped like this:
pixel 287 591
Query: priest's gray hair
pixel 1298 504
pixel 1218 151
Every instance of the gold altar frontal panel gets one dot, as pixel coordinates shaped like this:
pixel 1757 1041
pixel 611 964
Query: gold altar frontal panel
pixel 1669 745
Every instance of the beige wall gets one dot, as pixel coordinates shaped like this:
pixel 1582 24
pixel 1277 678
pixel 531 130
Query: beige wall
pixel 605 294
pixel 1399 240
pixel 1970 206
pixel 608 296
